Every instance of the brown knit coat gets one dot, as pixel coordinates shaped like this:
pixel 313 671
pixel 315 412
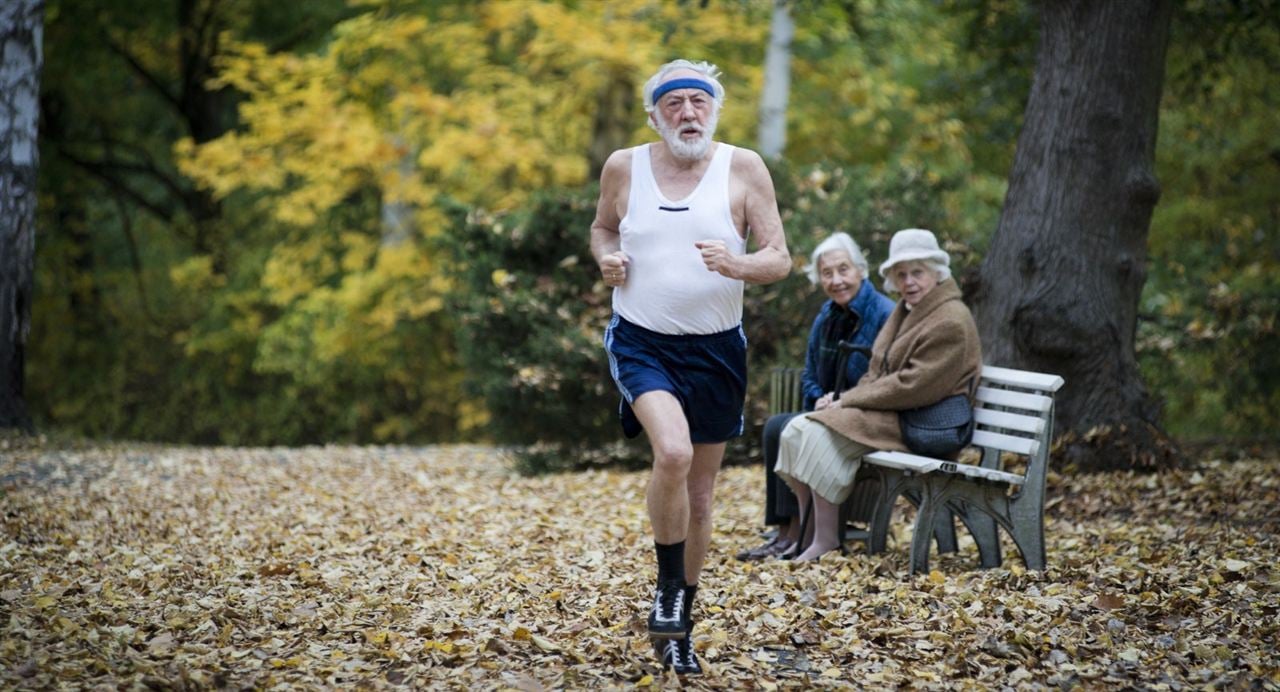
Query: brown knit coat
pixel 921 356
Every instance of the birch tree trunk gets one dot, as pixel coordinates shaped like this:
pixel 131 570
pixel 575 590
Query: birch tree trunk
pixel 1059 287
pixel 21 51
pixel 777 82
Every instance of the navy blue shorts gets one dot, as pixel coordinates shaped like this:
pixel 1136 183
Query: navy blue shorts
pixel 706 373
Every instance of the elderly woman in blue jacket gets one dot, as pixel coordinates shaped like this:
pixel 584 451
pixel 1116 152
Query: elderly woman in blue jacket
pixel 854 312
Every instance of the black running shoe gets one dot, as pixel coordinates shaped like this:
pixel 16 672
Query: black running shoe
pixel 677 654
pixel 667 619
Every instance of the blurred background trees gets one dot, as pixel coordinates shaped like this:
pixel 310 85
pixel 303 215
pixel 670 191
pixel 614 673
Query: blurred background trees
pixel 365 220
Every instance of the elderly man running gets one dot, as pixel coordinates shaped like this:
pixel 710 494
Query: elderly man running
pixel 670 237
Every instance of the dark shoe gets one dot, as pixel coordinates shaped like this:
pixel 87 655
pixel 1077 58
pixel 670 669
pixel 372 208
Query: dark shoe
pixel 667 619
pixel 840 549
pixel 773 548
pixel 677 654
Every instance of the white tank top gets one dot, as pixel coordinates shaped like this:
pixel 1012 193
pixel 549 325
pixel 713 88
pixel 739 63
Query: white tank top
pixel 669 290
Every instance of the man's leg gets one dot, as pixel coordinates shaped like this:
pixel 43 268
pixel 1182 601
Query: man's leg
pixel 668 496
pixel 668 503
pixel 679 653
pixel 701 485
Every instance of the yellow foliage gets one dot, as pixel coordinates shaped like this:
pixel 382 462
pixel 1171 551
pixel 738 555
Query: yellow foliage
pixel 486 102
pixel 196 274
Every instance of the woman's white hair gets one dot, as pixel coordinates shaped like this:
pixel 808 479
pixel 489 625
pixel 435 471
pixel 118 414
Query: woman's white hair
pixel 836 241
pixel 708 71
pixel 942 271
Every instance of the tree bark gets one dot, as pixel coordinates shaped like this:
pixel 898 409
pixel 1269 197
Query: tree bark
pixel 1059 288
pixel 777 82
pixel 21 36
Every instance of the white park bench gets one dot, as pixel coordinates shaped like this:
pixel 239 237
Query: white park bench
pixel 1014 421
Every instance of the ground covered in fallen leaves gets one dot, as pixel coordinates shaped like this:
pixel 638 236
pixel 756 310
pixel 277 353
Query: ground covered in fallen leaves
pixel 172 567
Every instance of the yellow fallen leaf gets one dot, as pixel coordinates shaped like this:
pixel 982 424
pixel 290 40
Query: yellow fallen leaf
pixel 544 643
pixel 937 577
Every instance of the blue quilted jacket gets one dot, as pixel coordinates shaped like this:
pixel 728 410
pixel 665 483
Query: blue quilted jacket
pixel 832 325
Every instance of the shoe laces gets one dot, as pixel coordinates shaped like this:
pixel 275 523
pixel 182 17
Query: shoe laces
pixel 674 595
pixel 679 653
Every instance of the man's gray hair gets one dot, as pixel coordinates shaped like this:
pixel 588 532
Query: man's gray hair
pixel 836 241
pixel 708 71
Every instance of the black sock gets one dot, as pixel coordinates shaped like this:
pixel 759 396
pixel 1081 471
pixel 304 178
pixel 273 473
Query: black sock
pixel 670 561
pixel 690 590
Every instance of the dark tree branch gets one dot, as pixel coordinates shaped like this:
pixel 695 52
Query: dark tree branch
pixel 142 163
pixel 135 260
pixel 103 172
pixel 144 73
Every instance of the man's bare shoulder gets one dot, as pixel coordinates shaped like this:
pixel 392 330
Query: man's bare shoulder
pixel 618 164
pixel 748 163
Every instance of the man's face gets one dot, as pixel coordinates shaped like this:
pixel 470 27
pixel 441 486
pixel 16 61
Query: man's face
pixel 686 119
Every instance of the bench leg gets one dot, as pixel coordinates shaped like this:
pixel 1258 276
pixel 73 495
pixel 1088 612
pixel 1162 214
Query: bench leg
pixel 944 527
pixel 927 516
pixel 882 513
pixel 1028 535
pixel 985 534
pixel 944 531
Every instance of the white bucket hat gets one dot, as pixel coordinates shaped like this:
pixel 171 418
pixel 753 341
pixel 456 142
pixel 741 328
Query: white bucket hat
pixel 915 244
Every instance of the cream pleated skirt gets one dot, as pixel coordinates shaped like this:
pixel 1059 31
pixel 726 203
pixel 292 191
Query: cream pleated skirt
pixel 819 457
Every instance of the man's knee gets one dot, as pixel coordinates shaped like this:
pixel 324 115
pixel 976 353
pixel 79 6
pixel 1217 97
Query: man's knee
pixel 672 456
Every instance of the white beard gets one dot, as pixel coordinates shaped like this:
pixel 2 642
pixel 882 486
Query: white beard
pixel 686 150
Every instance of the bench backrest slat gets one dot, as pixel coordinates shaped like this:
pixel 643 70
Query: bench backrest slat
pixel 990 418
pixel 1007 443
pixel 1024 379
pixel 1020 400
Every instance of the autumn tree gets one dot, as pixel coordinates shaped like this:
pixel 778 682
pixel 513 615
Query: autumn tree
pixel 21 27
pixel 1060 285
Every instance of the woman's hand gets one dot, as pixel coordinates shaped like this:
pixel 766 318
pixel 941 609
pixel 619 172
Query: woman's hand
pixel 824 401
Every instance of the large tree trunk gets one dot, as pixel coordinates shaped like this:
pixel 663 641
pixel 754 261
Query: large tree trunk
pixel 1059 288
pixel 21 32
pixel 777 82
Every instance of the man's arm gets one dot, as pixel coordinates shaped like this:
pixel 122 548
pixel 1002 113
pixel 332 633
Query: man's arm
pixel 771 261
pixel 606 239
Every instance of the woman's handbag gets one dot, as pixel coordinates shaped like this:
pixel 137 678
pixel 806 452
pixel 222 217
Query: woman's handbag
pixel 938 430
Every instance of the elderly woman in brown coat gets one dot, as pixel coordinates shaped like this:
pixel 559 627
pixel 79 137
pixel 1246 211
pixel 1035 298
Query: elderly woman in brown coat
pixel 926 351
